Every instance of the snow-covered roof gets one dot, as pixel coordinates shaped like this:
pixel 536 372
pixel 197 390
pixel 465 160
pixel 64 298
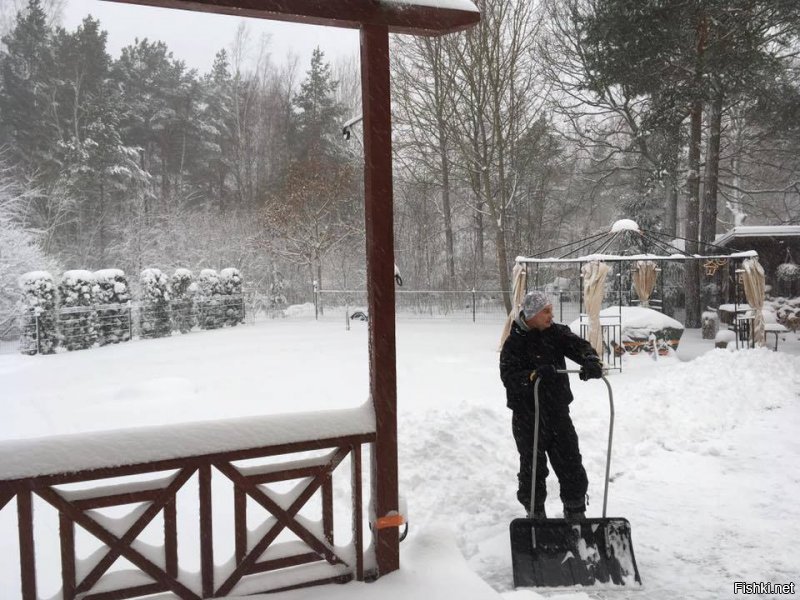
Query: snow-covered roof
pixel 758 231
pixel 415 17
pixel 465 5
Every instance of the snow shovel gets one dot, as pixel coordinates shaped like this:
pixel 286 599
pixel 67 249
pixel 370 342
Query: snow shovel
pixel 556 553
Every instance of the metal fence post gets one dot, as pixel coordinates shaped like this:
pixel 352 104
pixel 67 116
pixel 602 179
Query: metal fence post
pixel 38 336
pixel 473 305
pixel 316 302
pixel 560 306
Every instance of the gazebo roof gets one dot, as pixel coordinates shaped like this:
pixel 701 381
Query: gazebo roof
pixel 418 17
pixel 757 231
pixel 615 245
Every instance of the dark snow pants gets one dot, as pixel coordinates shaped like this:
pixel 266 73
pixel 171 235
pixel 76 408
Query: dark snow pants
pixel 558 442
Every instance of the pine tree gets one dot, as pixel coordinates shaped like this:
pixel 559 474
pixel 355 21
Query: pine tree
pixel 317 114
pixel 99 170
pixel 27 125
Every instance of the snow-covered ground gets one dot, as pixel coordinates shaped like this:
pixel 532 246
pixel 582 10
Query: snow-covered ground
pixel 706 459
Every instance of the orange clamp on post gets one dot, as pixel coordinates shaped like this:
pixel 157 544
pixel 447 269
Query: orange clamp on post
pixel 395 520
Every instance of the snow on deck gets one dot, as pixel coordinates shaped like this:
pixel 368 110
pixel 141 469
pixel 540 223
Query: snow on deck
pixel 78 452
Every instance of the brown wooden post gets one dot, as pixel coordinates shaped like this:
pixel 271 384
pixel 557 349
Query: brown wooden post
pixel 27 560
pixel 380 284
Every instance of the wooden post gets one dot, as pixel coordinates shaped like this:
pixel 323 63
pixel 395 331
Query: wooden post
pixel 380 284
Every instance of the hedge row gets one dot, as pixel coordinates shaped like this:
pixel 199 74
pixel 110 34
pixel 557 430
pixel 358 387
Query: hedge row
pixel 87 309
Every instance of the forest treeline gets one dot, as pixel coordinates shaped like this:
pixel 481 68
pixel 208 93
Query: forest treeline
pixel 543 124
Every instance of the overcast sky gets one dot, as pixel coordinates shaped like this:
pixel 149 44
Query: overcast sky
pixel 196 37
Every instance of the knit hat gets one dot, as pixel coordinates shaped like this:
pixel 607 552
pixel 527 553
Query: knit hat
pixel 533 302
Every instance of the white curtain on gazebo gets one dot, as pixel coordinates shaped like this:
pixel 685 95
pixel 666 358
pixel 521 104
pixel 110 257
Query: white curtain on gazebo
pixel 644 280
pixel 754 292
pixel 520 277
pixel 594 277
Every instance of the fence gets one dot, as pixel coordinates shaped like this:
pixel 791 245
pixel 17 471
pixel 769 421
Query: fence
pixel 421 304
pixel 177 493
pixel 475 304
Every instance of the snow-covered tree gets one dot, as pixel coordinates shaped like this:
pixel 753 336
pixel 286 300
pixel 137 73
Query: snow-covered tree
pixel 39 334
pixel 277 295
pixel 210 313
pixel 77 314
pixel 113 307
pixel 231 283
pixel 183 288
pixel 155 315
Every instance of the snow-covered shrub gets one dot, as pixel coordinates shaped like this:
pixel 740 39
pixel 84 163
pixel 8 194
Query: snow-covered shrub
pixel 113 307
pixel 183 288
pixel 39 328
pixel 155 299
pixel 787 312
pixel 231 282
pixel 19 253
pixel 77 314
pixel 210 313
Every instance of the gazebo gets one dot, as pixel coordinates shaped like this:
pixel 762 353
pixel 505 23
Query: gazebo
pixel 634 256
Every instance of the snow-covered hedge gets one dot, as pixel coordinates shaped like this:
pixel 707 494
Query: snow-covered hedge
pixel 39 328
pixel 77 316
pixel 233 302
pixel 113 306
pixel 155 304
pixel 183 288
pixel 210 313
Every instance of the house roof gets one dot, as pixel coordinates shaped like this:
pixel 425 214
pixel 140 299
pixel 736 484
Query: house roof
pixel 418 17
pixel 757 231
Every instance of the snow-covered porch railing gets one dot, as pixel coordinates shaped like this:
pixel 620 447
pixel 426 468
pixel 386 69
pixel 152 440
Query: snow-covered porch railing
pixel 181 476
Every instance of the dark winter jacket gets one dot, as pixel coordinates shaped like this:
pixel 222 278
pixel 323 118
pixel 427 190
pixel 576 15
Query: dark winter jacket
pixel 525 351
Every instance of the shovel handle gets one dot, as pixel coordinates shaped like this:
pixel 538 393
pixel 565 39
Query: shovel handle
pixel 536 437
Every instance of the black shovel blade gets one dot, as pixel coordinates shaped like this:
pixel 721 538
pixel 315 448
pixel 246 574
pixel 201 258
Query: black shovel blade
pixel 554 553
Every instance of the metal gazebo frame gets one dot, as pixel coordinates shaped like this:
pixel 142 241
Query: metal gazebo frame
pixel 616 246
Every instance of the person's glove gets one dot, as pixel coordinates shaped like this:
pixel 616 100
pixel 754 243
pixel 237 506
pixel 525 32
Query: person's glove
pixel 543 372
pixel 591 368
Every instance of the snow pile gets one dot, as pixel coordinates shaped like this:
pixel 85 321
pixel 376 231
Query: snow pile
pixel 786 311
pixel 113 297
pixel 39 317
pixel 624 225
pixel 637 324
pixel 182 290
pixel 78 319
pixel 155 299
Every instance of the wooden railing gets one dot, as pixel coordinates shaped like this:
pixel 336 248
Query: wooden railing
pixel 259 563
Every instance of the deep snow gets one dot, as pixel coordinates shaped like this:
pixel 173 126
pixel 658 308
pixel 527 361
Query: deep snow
pixel 705 465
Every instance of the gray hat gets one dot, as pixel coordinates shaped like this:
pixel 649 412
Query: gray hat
pixel 533 302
